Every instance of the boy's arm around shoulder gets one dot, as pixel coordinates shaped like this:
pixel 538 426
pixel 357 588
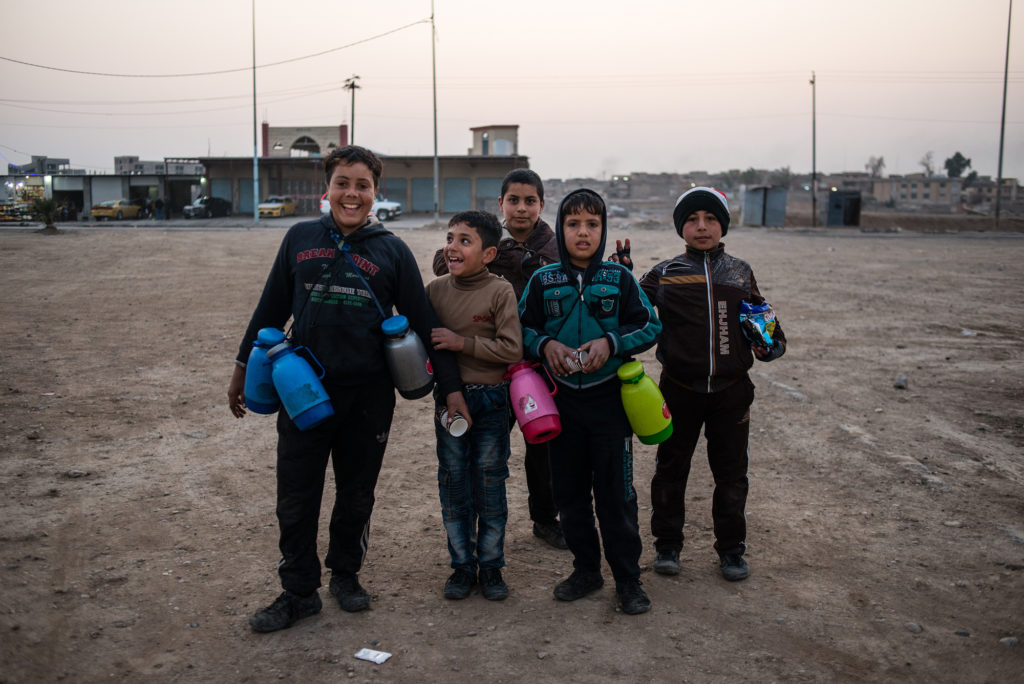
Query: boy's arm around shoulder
pixel 507 345
pixel 639 325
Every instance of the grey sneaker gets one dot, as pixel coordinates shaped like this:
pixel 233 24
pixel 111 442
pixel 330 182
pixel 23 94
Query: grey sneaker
pixel 667 562
pixel 492 585
pixel 734 567
pixel 285 611
pixel 460 584
pixel 579 584
pixel 351 596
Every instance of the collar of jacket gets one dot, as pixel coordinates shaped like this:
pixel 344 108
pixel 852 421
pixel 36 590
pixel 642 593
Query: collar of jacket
pixel 368 230
pixel 699 254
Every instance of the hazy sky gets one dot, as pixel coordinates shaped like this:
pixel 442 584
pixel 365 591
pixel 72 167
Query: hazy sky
pixel 597 88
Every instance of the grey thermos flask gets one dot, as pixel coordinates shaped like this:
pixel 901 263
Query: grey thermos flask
pixel 407 358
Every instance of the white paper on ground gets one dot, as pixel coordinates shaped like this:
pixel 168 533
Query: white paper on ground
pixel 373 656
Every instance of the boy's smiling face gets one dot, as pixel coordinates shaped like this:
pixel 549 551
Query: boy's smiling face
pixel 582 232
pixel 702 230
pixel 464 251
pixel 351 192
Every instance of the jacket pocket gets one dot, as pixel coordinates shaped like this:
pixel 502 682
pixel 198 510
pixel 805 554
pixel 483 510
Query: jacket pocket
pixel 606 300
pixel 554 301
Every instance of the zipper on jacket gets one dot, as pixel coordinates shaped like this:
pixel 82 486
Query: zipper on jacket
pixel 579 320
pixel 711 320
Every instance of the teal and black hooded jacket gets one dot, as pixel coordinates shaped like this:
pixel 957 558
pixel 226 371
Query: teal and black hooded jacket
pixel 574 306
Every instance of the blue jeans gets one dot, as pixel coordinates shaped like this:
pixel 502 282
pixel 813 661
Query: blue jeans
pixel 471 474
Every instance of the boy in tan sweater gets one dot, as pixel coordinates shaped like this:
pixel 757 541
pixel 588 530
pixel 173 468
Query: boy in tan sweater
pixel 481 319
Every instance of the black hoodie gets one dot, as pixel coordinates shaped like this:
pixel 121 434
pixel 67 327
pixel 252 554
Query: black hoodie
pixel 335 316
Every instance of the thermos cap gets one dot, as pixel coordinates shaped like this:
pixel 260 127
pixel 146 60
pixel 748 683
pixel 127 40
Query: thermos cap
pixel 395 326
pixel 631 371
pixel 270 337
pixel 279 349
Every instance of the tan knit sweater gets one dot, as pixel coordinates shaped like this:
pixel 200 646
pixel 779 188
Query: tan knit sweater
pixel 483 309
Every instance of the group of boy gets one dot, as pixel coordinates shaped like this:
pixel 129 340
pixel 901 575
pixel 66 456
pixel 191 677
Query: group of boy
pixel 495 301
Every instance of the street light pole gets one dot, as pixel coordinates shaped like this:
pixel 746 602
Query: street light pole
pixel 814 151
pixel 255 138
pixel 1002 123
pixel 433 69
pixel 351 85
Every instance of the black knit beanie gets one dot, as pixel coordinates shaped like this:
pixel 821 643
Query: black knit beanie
pixel 708 199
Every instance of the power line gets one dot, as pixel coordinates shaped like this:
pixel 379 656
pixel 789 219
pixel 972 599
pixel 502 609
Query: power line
pixel 214 73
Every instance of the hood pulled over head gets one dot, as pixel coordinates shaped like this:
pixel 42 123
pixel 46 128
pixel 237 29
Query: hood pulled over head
pixel 575 202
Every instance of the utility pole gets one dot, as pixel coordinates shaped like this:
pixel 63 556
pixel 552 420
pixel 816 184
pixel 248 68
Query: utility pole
pixel 814 152
pixel 351 85
pixel 433 70
pixel 255 138
pixel 1002 123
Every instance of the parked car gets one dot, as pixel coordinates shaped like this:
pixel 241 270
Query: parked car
pixel 115 209
pixel 207 207
pixel 383 209
pixel 277 206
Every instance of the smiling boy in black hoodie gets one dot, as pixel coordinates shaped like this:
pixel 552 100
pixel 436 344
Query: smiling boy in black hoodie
pixel 335 316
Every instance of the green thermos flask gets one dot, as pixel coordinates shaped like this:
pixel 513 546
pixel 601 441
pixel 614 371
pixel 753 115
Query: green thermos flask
pixel 645 407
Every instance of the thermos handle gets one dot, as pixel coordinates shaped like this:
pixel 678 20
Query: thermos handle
pixel 312 357
pixel 554 385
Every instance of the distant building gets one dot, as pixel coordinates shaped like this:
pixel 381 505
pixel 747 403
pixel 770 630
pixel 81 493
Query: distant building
pixel 132 166
pixel 42 166
pixel 290 142
pixel 495 141
pixel 471 181
pixel 916 190
pixel 983 189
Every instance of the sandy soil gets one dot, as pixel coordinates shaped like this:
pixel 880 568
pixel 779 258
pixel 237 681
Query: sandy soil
pixel 886 525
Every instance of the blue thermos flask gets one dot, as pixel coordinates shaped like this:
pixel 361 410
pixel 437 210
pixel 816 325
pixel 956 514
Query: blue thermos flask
pixel 260 395
pixel 407 358
pixel 300 389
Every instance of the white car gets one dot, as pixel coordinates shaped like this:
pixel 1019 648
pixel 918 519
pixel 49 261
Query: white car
pixel 383 209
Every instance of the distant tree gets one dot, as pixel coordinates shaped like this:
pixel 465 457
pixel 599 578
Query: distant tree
pixel 874 166
pixel 732 178
pixel 750 176
pixel 956 165
pixel 928 164
pixel 970 179
pixel 47 211
pixel 782 177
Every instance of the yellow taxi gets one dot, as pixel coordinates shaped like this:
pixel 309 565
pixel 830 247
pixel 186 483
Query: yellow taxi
pixel 277 206
pixel 115 209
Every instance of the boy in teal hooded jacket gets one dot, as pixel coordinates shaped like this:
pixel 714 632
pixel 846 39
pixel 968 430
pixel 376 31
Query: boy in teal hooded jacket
pixel 583 304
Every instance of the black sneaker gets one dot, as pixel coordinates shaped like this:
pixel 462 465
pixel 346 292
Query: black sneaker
pixel 351 596
pixel 632 599
pixel 551 533
pixel 492 585
pixel 579 584
pixel 460 584
pixel 667 562
pixel 734 567
pixel 285 611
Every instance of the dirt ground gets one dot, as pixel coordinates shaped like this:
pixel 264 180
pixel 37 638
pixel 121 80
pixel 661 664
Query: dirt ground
pixel 886 525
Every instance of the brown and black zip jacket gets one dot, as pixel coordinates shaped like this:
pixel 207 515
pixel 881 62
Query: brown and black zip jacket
pixel 697 295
